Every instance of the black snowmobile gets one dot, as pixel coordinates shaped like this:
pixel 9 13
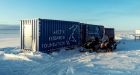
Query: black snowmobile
pixel 99 46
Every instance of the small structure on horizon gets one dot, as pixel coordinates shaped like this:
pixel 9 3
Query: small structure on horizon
pixel 137 34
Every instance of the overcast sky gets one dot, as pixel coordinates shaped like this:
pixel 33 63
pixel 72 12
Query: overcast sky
pixel 120 14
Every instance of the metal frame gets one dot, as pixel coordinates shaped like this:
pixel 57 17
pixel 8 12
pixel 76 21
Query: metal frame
pixel 35 33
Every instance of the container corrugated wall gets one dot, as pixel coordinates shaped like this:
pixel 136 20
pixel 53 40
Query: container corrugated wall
pixel 93 30
pixel 83 33
pixel 110 32
pixel 89 30
pixel 57 34
pixel 101 31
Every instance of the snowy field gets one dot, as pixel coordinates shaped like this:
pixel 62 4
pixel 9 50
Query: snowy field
pixel 125 60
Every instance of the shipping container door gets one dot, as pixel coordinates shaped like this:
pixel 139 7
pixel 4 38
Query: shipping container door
pixel 28 37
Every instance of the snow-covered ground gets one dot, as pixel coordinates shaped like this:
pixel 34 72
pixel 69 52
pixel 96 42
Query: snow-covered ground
pixel 125 60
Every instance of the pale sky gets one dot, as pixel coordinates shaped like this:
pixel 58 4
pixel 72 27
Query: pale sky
pixel 119 14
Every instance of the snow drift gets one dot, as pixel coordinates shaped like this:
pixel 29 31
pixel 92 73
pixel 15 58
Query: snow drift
pixel 123 61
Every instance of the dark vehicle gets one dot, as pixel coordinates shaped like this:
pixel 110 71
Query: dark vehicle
pixel 98 45
pixel 110 32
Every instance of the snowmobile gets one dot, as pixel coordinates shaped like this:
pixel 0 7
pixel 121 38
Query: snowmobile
pixel 108 46
pixel 91 45
pixel 99 46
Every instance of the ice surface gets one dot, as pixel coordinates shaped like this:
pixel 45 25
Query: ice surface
pixel 125 60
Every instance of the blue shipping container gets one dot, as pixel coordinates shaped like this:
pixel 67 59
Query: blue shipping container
pixel 56 34
pixel 46 35
pixel 83 32
pixel 110 32
pixel 101 31
pixel 94 31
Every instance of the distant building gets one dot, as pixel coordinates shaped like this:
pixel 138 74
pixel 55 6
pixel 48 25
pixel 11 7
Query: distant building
pixel 137 34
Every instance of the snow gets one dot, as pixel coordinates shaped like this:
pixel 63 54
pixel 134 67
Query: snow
pixel 123 61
